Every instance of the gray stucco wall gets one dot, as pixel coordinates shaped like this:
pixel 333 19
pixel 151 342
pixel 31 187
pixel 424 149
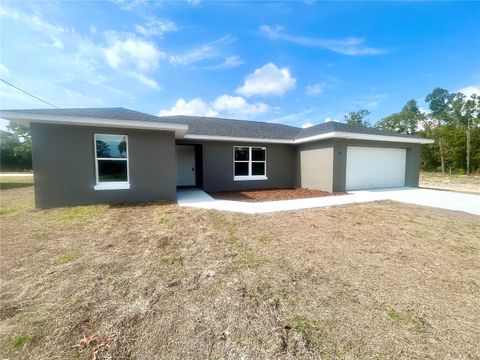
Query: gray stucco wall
pixel 64 166
pixel 315 165
pixel 412 170
pixel 218 166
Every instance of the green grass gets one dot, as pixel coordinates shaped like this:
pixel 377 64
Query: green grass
pixel 79 213
pixel 465 249
pixel 13 182
pixel 65 258
pixel 394 315
pixel 307 329
pixel 172 261
pixel 249 259
pixel 417 325
pixel 264 239
pixel 20 341
pixel 245 257
pixel 16 208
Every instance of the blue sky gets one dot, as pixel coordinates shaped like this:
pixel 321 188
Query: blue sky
pixel 297 63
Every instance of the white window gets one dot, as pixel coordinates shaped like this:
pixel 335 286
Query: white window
pixel 249 163
pixel 111 162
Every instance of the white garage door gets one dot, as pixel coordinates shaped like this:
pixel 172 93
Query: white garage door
pixel 373 168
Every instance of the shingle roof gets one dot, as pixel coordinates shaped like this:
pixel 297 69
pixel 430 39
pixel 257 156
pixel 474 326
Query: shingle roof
pixel 198 125
pixel 332 126
pixel 233 128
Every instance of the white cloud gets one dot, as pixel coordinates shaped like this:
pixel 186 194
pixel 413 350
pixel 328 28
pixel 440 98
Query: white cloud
pixel 57 43
pixel 237 106
pixel 268 80
pixel 352 46
pixel 146 80
pixel 470 90
pixel 78 62
pixel 3 70
pixel 196 107
pixel 224 105
pixel 328 119
pixel 314 89
pixel 228 63
pixel 207 51
pixel 370 102
pixel 132 52
pixel 294 117
pixel 307 125
pixel 156 27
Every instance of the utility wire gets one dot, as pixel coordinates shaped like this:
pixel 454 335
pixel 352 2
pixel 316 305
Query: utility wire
pixel 26 92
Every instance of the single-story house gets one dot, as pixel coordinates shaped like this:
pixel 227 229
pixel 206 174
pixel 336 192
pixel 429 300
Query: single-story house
pixel 112 155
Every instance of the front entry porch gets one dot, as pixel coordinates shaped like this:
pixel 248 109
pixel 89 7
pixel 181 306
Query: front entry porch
pixel 188 159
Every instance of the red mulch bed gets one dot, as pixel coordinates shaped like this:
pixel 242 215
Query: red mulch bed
pixel 271 194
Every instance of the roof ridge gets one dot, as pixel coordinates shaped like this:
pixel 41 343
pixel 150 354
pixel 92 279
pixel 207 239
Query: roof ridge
pixel 226 119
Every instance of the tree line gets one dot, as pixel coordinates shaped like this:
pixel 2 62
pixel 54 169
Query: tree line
pixel 15 148
pixel 453 122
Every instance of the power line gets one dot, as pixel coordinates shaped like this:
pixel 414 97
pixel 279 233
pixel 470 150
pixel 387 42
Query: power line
pixel 26 92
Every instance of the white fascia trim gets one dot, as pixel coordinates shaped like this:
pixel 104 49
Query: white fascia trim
pixel 112 186
pixel 237 139
pixel 179 129
pixel 330 135
pixel 358 136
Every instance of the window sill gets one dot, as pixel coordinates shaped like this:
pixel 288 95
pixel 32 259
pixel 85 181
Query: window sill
pixel 112 186
pixel 248 178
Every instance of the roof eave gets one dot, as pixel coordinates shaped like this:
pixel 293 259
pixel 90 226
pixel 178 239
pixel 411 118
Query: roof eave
pixel 361 136
pixel 27 118
pixel 237 138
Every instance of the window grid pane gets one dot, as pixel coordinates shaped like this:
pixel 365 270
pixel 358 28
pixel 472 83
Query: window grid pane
pixel 242 154
pixel 258 168
pixel 249 161
pixel 112 171
pixel 258 154
pixel 241 168
pixel 111 146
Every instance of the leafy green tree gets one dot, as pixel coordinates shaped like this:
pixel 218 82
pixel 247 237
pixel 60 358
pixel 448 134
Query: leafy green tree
pixel 404 122
pixel 7 143
pixel 438 102
pixel 16 148
pixel 465 115
pixel 358 118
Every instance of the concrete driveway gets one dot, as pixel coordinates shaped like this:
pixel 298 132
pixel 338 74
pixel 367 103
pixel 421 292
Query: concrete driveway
pixel 435 198
pixel 449 200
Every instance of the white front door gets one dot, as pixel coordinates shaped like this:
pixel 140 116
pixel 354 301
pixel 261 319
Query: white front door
pixel 374 168
pixel 185 157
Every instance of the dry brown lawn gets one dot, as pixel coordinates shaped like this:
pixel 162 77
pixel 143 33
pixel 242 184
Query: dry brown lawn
pixel 462 183
pixel 366 281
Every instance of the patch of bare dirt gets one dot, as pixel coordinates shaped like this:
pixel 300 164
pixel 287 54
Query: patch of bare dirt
pixel 461 183
pixel 158 281
pixel 271 194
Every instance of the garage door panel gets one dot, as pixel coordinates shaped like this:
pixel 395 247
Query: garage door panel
pixel 370 168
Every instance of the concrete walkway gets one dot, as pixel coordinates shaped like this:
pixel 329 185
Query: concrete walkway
pixel 435 198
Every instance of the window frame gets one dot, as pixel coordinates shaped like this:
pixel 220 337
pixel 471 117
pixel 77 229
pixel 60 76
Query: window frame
pixel 110 185
pixel 250 161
